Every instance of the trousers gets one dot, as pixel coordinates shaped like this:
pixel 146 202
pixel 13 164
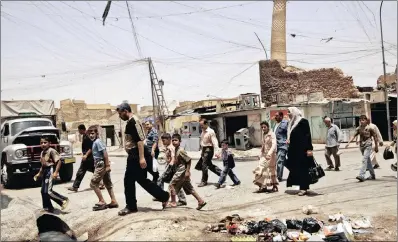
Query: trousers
pixel 228 171
pixel 332 151
pixel 47 192
pixel 161 181
pixel 207 164
pixel 280 162
pixel 134 173
pixel 87 165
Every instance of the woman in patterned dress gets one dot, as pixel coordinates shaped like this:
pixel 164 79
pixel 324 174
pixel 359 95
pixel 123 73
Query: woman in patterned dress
pixel 265 172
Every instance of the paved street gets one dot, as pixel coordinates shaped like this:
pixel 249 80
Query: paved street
pixel 337 192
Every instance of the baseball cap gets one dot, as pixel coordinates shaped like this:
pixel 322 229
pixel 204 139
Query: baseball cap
pixel 123 106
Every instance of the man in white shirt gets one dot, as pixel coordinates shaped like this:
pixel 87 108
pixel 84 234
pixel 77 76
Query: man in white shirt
pixel 373 157
pixel 209 146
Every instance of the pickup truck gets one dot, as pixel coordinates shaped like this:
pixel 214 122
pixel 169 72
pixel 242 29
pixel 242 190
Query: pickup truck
pixel 20 140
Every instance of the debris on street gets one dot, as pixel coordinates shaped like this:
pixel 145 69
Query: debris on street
pixel 308 229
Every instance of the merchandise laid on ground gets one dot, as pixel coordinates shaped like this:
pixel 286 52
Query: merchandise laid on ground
pixel 337 228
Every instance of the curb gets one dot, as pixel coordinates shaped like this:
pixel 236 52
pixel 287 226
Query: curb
pixel 240 159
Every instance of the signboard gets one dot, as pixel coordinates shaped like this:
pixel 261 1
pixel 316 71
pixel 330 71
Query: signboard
pixel 275 112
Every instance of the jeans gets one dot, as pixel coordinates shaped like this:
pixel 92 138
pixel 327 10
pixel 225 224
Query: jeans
pixel 47 193
pixel 207 164
pixel 134 173
pixel 332 151
pixel 227 171
pixel 366 162
pixel 280 163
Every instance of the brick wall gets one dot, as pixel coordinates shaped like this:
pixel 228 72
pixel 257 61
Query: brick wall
pixel 292 81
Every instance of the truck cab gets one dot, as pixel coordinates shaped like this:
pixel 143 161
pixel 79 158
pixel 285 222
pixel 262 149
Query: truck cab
pixel 20 148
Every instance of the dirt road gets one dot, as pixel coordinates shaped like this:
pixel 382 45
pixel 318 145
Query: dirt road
pixel 337 192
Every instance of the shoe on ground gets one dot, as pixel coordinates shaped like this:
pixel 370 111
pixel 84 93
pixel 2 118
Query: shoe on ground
pixel 65 204
pixel 393 167
pixel 280 179
pixel 73 189
pixel 376 166
pixel 329 168
pixel 126 211
pixel 360 179
pixel 371 177
pixel 218 186
pixel 236 184
pixel 337 169
pixel 180 203
pixel 155 200
pixel 202 184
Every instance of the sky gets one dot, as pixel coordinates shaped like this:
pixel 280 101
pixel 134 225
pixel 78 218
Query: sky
pixel 200 49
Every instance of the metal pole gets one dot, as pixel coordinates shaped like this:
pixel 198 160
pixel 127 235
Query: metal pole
pixel 384 77
pixel 153 90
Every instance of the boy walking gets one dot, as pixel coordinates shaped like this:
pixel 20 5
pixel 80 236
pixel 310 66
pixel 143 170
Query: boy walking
pixel 182 176
pixel 102 171
pixel 365 133
pixel 49 159
pixel 170 168
pixel 229 164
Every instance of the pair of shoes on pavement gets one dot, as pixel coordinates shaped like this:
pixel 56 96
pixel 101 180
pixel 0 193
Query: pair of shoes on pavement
pixel 331 168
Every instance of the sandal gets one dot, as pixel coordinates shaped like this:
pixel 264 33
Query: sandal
pixel 200 206
pixel 99 207
pixel 114 205
pixel 302 193
pixel 275 189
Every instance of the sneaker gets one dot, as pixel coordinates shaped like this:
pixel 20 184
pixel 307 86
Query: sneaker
pixel 65 204
pixel 376 166
pixel 181 203
pixel 202 184
pixel 360 179
pixel 73 189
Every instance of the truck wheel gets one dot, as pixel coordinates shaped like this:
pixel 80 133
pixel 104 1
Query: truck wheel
pixel 7 176
pixel 66 172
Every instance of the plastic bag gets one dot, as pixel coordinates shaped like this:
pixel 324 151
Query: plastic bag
pixel 279 226
pixel 265 227
pixel 154 165
pixel 311 225
pixel 294 224
pixel 252 227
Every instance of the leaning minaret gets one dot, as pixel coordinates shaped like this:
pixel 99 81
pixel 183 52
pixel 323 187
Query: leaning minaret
pixel 278 32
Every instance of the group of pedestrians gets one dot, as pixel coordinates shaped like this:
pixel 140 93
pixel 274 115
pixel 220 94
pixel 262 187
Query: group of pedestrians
pixel 287 145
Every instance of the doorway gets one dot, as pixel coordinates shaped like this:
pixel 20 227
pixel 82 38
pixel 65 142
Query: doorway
pixel 233 124
pixel 109 134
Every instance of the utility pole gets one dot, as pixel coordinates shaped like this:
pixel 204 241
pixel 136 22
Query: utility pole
pixel 384 77
pixel 160 110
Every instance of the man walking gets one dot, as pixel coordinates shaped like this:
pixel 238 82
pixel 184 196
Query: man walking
pixel 280 131
pixel 137 161
pixel 333 138
pixel 365 133
pixel 152 140
pixel 209 145
pixel 87 163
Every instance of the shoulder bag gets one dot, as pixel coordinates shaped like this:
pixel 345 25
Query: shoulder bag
pixel 388 154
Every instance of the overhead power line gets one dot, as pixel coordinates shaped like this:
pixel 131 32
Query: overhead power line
pixel 137 43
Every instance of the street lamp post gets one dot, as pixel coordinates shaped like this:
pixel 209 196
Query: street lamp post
pixel 384 77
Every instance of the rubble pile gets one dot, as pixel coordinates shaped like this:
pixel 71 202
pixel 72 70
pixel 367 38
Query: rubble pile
pixel 340 228
pixel 274 79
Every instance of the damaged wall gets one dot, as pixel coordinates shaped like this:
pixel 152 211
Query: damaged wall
pixel 277 81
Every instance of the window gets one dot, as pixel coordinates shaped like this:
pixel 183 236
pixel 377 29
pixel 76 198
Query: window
pixel 19 126
pixel 6 130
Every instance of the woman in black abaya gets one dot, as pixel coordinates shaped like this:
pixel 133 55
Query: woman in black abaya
pixel 299 154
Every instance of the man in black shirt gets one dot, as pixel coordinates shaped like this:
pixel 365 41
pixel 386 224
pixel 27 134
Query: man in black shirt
pixel 139 158
pixel 87 163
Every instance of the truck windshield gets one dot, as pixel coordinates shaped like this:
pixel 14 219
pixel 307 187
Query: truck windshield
pixel 19 126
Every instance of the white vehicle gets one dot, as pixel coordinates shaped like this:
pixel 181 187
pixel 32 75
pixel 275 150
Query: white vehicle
pixel 23 123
